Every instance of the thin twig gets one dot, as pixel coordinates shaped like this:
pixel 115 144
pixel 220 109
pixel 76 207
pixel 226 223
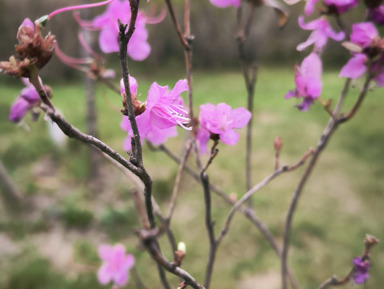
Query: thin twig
pixel 209 225
pixel 176 187
pixel 148 239
pixel 369 242
pixel 257 188
pixel 325 137
pixel 250 76
pixel 177 25
pixel 73 132
pixel 249 214
pixel 124 38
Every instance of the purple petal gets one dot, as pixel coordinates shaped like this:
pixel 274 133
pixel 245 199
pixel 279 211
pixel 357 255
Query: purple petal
pixel 337 36
pixel 310 6
pixel 313 88
pixel 304 106
pixel 180 87
pixel 159 136
pixel 18 109
pixel 132 85
pixel 138 47
pixel 230 137
pixel 155 92
pixel 226 3
pixel 202 137
pixel 363 33
pixel 290 94
pixel 143 124
pixel 310 25
pixel 127 144
pixel 120 278
pixel 105 252
pixel 312 66
pixel 30 94
pixel 118 251
pixel 240 117
pixel 108 40
pixel 104 274
pixel 379 79
pixel 28 22
pixel 355 67
pixel 376 15
pixel 129 261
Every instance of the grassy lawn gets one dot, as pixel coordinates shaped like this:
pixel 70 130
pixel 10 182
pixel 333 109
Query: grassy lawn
pixel 49 244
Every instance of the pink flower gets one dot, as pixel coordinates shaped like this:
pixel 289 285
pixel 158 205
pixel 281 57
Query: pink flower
pixel 370 51
pixel 27 99
pixel 220 121
pixel 164 110
pixel 339 6
pixel 226 3
pixel 115 264
pixel 308 81
pixel 363 34
pixel 376 15
pixel 321 32
pixel 310 6
pixel 138 47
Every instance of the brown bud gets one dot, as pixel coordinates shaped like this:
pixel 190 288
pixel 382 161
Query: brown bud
pixel 277 144
pixel 179 254
pixel 370 241
pixel 233 197
pixel 33 51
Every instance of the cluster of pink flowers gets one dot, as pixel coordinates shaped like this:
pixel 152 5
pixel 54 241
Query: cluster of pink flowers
pixel 368 52
pixel 160 114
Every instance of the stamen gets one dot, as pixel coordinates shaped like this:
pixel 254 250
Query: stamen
pixel 77 7
pixel 67 59
pixel 87 48
pixel 84 23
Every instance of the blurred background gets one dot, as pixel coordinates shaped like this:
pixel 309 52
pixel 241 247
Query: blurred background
pixel 61 203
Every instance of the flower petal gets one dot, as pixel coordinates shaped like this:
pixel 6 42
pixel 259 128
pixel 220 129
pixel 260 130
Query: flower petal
pixel 240 117
pixel 104 274
pixel 355 67
pixel 230 137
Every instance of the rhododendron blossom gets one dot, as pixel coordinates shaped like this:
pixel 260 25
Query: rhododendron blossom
pixel 365 37
pixel 361 270
pixel 164 110
pixel 226 3
pixel 308 81
pixel 322 30
pixel 138 47
pixel 27 99
pixel 340 6
pixel 116 264
pixel 376 15
pixel 220 121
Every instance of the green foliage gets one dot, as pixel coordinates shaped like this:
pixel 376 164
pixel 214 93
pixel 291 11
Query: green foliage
pixel 33 272
pixel 76 217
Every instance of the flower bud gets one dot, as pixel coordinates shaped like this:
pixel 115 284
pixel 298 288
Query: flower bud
pixel 277 143
pixel 182 247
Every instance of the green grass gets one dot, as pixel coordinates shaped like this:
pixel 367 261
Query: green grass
pixel 340 204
